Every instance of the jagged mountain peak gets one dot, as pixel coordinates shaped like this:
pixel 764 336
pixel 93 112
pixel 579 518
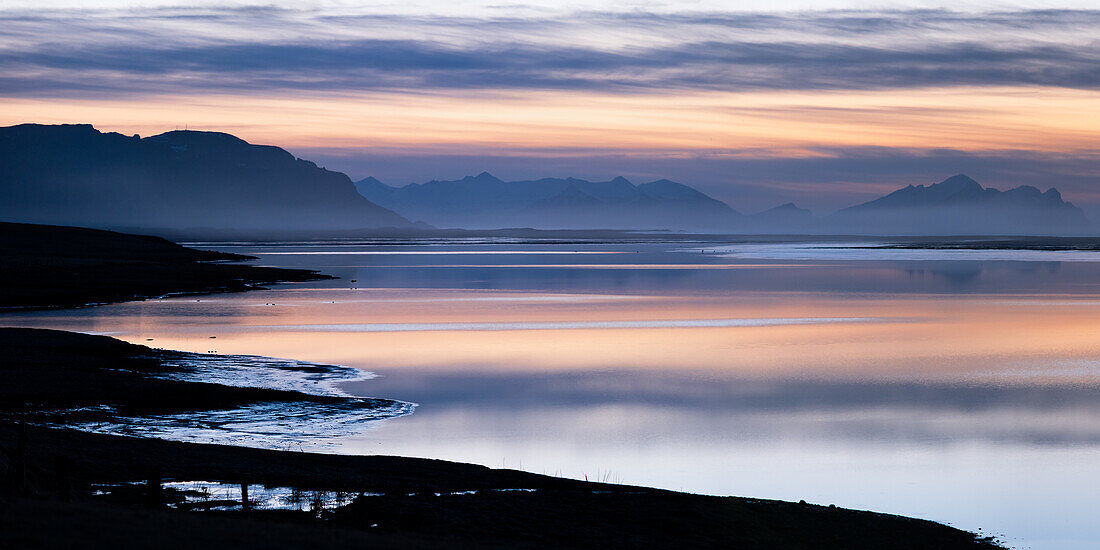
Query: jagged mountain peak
pixel 485 201
pixel 958 183
pixel 960 205
pixel 484 177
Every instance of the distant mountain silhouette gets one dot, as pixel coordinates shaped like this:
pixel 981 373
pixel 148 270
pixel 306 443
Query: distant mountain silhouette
pixel 959 205
pixel 785 218
pixel 76 175
pixel 484 201
pixel 185 180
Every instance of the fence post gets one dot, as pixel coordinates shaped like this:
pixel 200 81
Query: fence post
pixel 246 506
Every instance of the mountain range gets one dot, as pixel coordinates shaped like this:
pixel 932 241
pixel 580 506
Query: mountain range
pixel 77 175
pixel 959 205
pixel 188 180
pixel 484 201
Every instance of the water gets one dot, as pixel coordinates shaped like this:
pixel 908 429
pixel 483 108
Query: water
pixel 305 424
pixel 954 386
pixel 216 495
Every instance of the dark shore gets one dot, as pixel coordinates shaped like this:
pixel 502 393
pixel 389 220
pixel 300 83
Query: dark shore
pixel 53 494
pixel 414 502
pixel 46 266
pixel 47 372
pixel 556 514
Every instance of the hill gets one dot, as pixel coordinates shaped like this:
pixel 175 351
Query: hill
pixel 484 201
pixel 77 175
pixel 783 219
pixel 959 205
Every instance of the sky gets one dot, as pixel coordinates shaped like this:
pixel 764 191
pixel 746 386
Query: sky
pixel 824 104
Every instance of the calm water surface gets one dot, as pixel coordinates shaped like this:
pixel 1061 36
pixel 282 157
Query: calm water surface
pixel 949 385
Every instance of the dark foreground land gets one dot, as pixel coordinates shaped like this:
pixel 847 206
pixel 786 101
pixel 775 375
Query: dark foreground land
pixel 556 514
pixel 53 376
pixel 51 476
pixel 64 488
pixel 43 266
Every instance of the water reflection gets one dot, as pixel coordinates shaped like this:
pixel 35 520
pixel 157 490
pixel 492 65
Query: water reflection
pixel 649 268
pixel 780 409
pixel 942 386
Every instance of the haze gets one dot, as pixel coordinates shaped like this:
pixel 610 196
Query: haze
pixel 824 108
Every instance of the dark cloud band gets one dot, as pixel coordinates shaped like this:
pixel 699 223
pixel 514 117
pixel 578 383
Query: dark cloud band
pixel 826 50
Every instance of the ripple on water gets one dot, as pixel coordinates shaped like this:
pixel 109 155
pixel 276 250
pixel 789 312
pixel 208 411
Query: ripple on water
pixel 294 424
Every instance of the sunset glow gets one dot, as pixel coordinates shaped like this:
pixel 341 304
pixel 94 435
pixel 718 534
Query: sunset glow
pixel 577 274
pixel 1047 120
pixel 702 95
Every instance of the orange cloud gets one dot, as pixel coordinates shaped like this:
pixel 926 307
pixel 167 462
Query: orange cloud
pixel 717 123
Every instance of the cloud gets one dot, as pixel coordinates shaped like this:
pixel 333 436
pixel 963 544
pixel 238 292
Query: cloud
pixel 234 51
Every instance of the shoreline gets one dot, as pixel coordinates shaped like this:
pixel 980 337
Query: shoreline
pixel 177 396
pixel 107 490
pixel 54 267
pixel 438 503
